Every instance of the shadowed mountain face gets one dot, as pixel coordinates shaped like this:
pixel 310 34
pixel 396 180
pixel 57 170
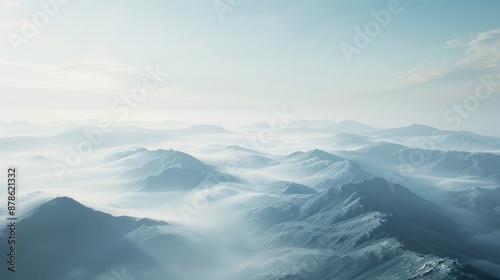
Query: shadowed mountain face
pixel 485 202
pixel 153 162
pixel 409 131
pixel 365 230
pixel 62 239
pixel 421 136
pixel 350 141
pixel 168 170
pixel 294 188
pixel 314 156
pixel 430 162
pixel 317 165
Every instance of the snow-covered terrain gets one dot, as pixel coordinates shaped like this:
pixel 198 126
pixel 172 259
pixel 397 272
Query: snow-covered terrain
pixel 317 200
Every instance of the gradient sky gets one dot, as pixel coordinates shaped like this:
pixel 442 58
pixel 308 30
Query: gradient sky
pixel 262 55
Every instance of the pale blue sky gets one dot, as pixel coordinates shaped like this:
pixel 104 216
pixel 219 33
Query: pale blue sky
pixel 262 55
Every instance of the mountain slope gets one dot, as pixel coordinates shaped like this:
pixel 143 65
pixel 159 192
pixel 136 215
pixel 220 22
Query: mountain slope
pixel 63 240
pixel 438 139
pixel 322 169
pixel 366 230
pixel 167 170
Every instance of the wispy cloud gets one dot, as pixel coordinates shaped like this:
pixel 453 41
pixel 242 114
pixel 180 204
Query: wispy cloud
pixel 481 55
pixel 481 50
